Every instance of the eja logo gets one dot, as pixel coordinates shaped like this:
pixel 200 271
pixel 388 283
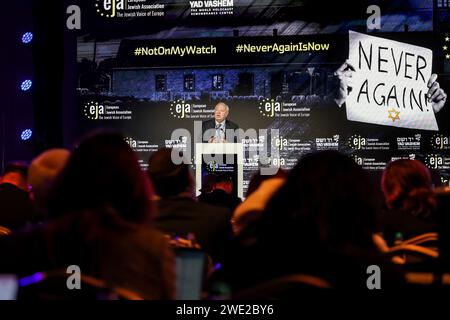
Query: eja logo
pixel 434 161
pixel 268 107
pixel 357 142
pixel 93 110
pixel 281 143
pixel 212 167
pixel 440 142
pixel 179 109
pixel 109 8
pixel 131 142
pixel 359 161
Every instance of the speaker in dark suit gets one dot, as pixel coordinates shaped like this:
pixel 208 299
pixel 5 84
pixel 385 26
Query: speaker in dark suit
pixel 220 129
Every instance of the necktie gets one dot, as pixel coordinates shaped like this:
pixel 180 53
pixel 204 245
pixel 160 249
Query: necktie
pixel 219 132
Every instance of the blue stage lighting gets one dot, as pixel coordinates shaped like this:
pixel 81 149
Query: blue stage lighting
pixel 26 85
pixel 26 134
pixel 27 37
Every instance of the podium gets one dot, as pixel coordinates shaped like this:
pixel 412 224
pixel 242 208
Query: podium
pixel 220 158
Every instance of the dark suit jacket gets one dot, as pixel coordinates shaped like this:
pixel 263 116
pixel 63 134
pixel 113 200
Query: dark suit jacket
pixel 211 225
pixel 221 199
pixel 211 124
pixel 16 208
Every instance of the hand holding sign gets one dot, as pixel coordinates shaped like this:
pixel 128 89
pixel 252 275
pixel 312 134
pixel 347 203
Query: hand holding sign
pixel 436 95
pixel 388 82
pixel 344 73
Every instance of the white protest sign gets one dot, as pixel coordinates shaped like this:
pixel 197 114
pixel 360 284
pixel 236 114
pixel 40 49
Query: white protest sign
pixel 389 85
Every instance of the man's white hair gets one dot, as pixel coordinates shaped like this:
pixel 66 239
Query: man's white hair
pixel 224 104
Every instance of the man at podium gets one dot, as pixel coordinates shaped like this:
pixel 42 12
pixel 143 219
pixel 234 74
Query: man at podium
pixel 219 129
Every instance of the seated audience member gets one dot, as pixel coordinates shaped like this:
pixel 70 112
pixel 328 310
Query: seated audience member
pixel 179 213
pixel 222 194
pixel 261 189
pixel 208 182
pixel 410 200
pixel 43 169
pixel 320 223
pixel 100 213
pixel 16 208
